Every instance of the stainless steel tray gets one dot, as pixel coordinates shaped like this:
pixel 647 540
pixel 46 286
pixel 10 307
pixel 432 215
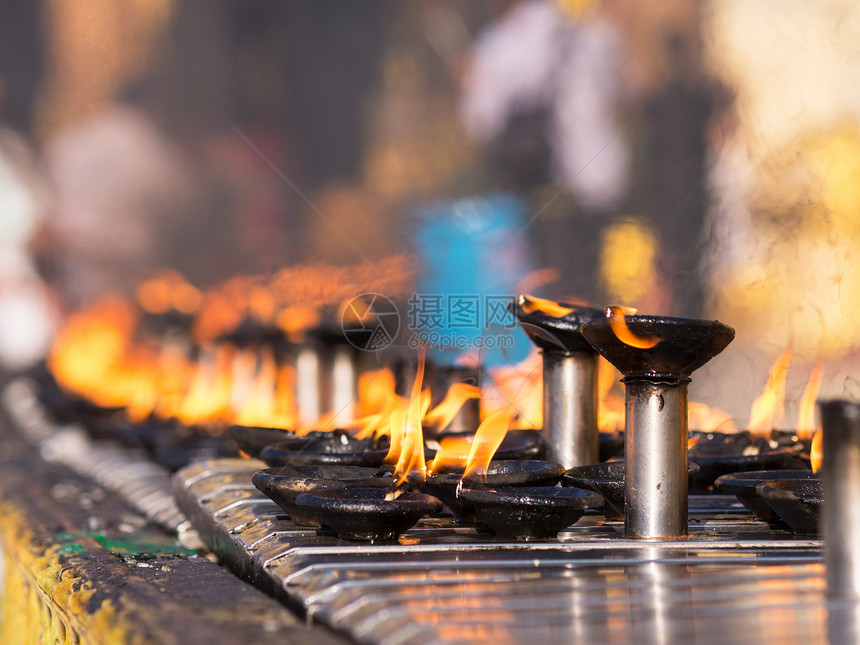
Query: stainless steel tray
pixel 734 580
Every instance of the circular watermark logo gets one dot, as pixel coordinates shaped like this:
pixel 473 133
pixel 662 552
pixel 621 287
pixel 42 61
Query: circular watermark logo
pixel 370 322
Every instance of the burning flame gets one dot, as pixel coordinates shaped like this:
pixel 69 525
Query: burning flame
pixel 769 408
pixel 610 405
pixel 488 438
pixel 815 452
pixel 168 290
pixel 806 426
pixel 377 400
pixel 88 356
pixel 269 401
pixel 407 435
pixel 458 393
pixel 520 385
pixel 453 452
pixel 618 323
pixel 209 392
pixel 706 418
pixel 102 355
pixel 531 304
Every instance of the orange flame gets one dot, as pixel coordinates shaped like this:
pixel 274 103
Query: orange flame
pixel 209 393
pixel 815 452
pixel 269 400
pixel 806 416
pixel 618 323
pixel 520 385
pixel 531 304
pixel 166 290
pixel 89 354
pixel 458 393
pixel 376 402
pixel 768 409
pixel 453 452
pixel 407 435
pixel 488 438
pixel 610 405
pixel 706 418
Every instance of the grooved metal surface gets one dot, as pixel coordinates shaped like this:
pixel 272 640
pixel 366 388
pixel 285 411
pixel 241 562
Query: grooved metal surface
pixel 734 580
pixel 131 474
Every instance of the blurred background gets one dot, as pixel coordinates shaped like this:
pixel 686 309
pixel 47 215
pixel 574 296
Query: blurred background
pixel 690 157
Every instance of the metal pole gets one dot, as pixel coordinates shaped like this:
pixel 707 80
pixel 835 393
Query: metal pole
pixel 344 384
pixel 840 479
pixel 308 391
pixel 656 454
pixel 570 407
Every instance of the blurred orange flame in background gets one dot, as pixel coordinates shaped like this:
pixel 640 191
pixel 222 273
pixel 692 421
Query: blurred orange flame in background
pixel 769 408
pixel 168 290
pixel 377 399
pixel 103 355
pixel 707 418
pixel 610 405
pixel 806 426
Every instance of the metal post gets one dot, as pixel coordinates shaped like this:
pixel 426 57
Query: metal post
pixel 840 478
pixel 344 385
pixel 308 395
pixel 656 455
pixel 570 407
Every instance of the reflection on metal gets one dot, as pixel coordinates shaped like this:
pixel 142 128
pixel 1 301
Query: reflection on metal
pixel 733 580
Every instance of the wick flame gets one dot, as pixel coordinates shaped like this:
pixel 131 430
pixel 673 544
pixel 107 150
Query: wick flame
pixel 442 415
pixel 407 435
pixel 453 452
pixel 531 304
pixel 618 324
pixel 488 438
pixel 815 451
pixel 806 417
pixel 769 408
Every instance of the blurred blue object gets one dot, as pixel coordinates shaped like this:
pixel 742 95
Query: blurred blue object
pixel 473 253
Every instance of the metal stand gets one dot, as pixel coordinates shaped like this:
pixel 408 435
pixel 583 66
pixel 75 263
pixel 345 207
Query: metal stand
pixel 840 477
pixel 656 455
pixel 570 407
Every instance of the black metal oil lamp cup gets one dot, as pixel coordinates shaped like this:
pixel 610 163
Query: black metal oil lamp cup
pixel 253 439
pixel 720 453
pixel 530 512
pixel 284 484
pixel 744 486
pixel 608 479
pixel 448 484
pixel 368 514
pixel 569 377
pixel 335 447
pixel 656 360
